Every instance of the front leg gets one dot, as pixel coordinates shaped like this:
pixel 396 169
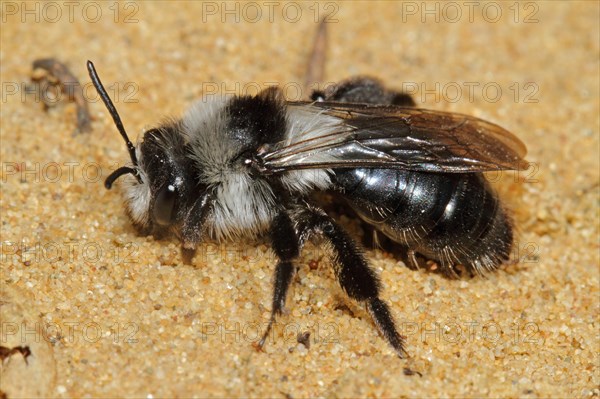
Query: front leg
pixel 193 227
pixel 286 245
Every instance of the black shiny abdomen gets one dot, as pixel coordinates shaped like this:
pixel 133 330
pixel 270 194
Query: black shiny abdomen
pixel 453 218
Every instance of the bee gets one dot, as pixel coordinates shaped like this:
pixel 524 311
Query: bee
pixel 246 166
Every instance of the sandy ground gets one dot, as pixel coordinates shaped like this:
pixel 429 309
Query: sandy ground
pixel 106 312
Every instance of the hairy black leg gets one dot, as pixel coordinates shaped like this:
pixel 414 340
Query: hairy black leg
pixel 286 246
pixel 381 315
pixel 355 276
pixel 362 89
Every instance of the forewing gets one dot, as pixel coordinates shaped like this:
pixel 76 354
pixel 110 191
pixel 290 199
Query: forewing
pixel 360 135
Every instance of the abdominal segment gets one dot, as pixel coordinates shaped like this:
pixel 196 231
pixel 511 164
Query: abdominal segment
pixel 451 218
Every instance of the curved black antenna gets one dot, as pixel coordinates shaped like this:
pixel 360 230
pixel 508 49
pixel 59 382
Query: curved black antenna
pixel 117 119
pixel 123 170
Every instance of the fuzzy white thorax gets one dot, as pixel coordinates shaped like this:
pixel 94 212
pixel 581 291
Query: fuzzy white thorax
pixel 243 206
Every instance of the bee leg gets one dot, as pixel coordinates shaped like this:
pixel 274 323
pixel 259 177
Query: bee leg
pixel 286 246
pixel 187 255
pixel 415 261
pixel 363 89
pixel 376 240
pixel 191 232
pixel 355 276
pixel 373 239
pixel 411 258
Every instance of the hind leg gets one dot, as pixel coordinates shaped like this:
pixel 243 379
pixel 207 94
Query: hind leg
pixel 354 274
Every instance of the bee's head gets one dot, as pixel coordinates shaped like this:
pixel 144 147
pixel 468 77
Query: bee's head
pixel 167 183
pixel 160 182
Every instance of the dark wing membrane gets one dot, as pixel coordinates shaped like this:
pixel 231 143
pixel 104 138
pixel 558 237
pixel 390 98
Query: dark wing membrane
pixel 382 136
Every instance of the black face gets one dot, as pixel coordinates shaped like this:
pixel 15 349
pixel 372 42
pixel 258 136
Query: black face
pixel 171 180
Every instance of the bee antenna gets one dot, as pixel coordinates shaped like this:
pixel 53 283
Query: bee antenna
pixel 116 118
pixel 123 170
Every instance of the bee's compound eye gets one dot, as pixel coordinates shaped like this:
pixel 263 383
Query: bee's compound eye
pixel 165 205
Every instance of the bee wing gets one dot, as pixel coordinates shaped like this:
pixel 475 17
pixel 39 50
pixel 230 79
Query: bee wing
pixel 341 135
